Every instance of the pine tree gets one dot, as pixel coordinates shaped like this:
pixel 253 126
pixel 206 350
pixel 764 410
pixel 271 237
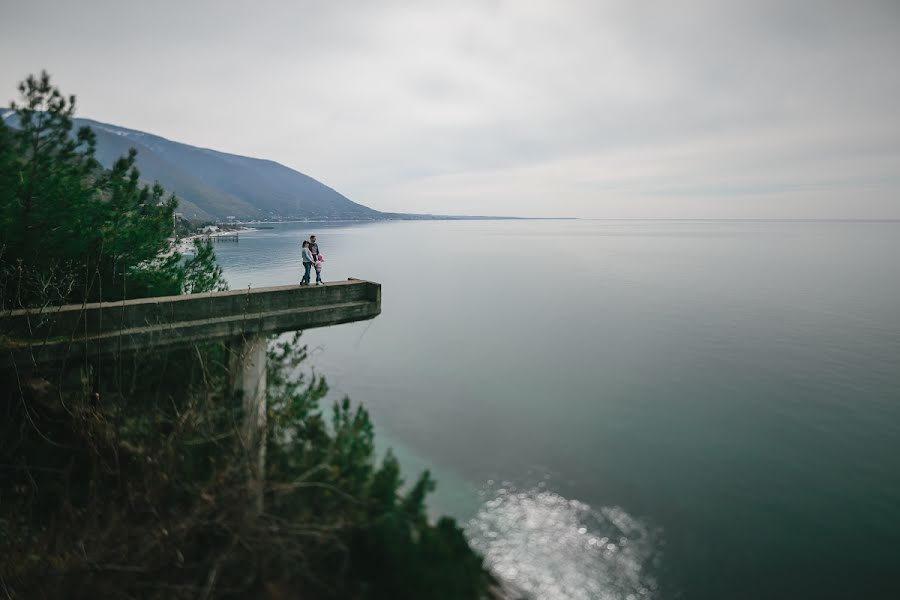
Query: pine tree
pixel 71 231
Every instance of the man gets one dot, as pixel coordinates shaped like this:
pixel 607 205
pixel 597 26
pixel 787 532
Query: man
pixel 314 249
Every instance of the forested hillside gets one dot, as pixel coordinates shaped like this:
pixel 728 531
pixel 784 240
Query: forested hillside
pixel 213 185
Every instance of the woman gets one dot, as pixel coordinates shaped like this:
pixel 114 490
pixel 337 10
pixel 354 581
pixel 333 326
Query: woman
pixel 307 263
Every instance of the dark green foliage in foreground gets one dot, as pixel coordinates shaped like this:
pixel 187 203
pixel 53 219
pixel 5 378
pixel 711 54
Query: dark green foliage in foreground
pixel 71 231
pixel 392 551
pixel 201 272
pixel 145 494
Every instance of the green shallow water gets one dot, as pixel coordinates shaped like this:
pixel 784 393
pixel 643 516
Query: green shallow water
pixel 654 409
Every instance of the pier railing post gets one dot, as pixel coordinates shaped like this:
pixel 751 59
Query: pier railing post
pixel 247 372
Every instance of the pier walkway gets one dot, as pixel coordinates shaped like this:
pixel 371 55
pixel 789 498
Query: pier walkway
pixel 82 336
pixel 62 333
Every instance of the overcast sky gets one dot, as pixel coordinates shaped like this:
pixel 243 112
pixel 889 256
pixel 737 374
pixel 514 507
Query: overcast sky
pixel 627 108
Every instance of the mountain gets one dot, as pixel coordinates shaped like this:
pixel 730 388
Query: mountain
pixel 213 185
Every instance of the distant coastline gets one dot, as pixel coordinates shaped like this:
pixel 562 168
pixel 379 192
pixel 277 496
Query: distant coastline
pixel 408 217
pixel 185 245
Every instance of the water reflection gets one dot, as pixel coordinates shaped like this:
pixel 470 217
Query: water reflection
pixel 552 548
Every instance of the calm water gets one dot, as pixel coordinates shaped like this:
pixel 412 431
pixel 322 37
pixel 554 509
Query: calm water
pixel 624 409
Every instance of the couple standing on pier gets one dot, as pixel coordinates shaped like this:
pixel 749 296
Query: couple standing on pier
pixel 311 258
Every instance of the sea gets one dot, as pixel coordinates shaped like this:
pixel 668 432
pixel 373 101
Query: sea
pixel 631 409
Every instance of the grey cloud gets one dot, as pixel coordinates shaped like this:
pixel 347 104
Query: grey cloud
pixel 527 107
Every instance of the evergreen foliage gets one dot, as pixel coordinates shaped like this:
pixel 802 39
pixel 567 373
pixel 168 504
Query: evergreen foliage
pixel 392 549
pixel 145 494
pixel 71 231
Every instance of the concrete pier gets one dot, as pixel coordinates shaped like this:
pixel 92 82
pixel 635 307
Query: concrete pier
pixel 247 374
pixel 36 339
pixel 63 333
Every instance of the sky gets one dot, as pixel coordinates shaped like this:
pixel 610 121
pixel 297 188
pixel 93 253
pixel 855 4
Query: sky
pixel 592 109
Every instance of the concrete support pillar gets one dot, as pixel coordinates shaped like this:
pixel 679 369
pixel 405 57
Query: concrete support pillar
pixel 247 371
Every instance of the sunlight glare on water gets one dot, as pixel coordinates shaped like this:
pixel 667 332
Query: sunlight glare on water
pixel 552 548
